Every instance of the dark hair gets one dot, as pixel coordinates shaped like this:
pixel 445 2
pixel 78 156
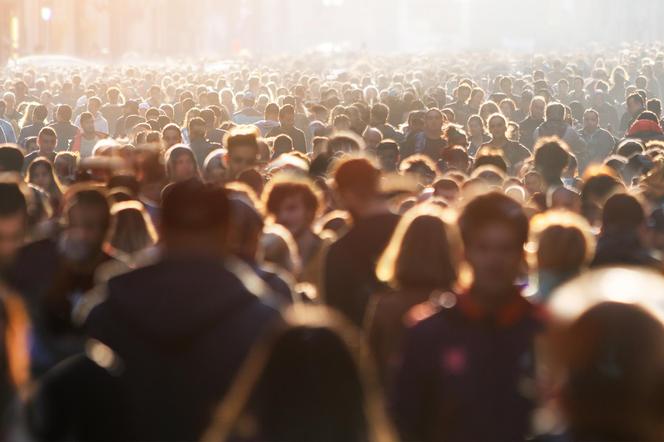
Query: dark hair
pixel 493 208
pixel 357 175
pixel 286 109
pixel 637 97
pixel 629 147
pixel 282 144
pixel 622 213
pixel 241 137
pixel 491 159
pixel 11 158
pixel 49 131
pixel 551 158
pixel 648 116
pixel 193 207
pixel 64 111
pixel 555 112
pixel 90 196
pixel 12 199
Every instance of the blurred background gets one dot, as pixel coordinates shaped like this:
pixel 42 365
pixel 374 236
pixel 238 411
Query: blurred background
pixel 126 29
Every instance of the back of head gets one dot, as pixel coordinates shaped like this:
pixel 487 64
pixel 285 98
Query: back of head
pixel 551 157
pixel 11 158
pixel 357 176
pixel 622 213
pixel 493 208
pixel 555 112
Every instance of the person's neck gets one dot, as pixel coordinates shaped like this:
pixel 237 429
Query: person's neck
pixel 491 300
pixel 369 209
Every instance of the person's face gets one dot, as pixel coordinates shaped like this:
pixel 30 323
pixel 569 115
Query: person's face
pixel 47 143
pixel 215 172
pixel 590 122
pixel 388 158
pixel 433 122
pixel 294 215
pixel 495 255
pixel 88 126
pixel 497 128
pixel 12 236
pixel 197 131
pixel 240 159
pixel 537 109
pixel 475 128
pixel 287 119
pixel 633 106
pixel 85 230
pixel 41 177
pixel 171 138
pixel 62 169
pixel 183 168
pixel 93 106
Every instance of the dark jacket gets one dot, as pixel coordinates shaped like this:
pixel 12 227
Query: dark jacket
pixel 349 276
pixel 299 142
pixel 463 372
pixel 182 328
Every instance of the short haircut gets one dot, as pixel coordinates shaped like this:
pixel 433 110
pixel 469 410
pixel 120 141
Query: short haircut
pixel 242 136
pixel 286 109
pixel 555 111
pixel 278 190
pixel 622 212
pixel 40 113
pixel 358 176
pixel 48 131
pixel 493 208
pixel 90 196
pixel 380 112
pixel 86 116
pixel 64 111
pixel 636 97
pixel 551 156
pixel 194 207
pixel 11 158
pixel 12 198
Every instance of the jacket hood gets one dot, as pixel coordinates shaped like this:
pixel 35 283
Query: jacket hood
pixel 640 126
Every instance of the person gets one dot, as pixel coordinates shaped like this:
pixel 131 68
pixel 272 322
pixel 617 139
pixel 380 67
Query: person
pixel 131 234
pixel 430 141
pixel 66 264
pixel 600 142
pixel 349 274
pixel 328 396
pixel 388 155
pixel 41 173
pixel 555 125
pixel 379 115
pixel 63 127
pixel 442 388
pixel 460 106
pixel 621 240
pixel 419 264
pixel 514 152
pixel 13 219
pixel 6 126
pixel 212 132
pixel 478 134
pixel 270 119
pixel 84 142
pixel 550 160
pixel 295 203
pixel 147 320
pixel 287 127
pixel 564 248
pixel 646 128
pixel 181 164
pixel 214 168
pixel 607 114
pixel 533 121
pixel 129 109
pixel 372 138
pixel 39 115
pixel 171 135
pixel 112 110
pixel 198 141
pixel 99 122
pixel 242 146
pixel 46 142
pixel 65 167
pixel 248 114
pixel 635 105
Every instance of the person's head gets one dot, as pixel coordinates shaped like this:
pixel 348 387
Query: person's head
pixel 420 167
pixel 537 107
pixel 379 114
pixel 613 359
pixel 87 121
pixel 494 230
pixel 65 167
pixel 555 112
pixel 113 95
pixel 13 217
pixel 590 120
pixel 39 114
pixel 287 116
pixel 635 104
pixel 497 126
pixel 345 142
pixel 387 153
pixel 356 181
pixel 197 128
pixel 11 158
pixel 654 105
pixel 533 182
pixel 292 202
pixel 63 113
pixel 214 167
pixel 242 145
pixel 455 158
pixel 282 144
pixel 271 112
pixel 433 122
pixel 372 138
pixel 423 252
pixel 180 163
pixel 47 140
pixel 194 219
pixel 476 126
pixel 622 214
pixel 131 229
pixel 94 104
pixel 41 174
pixel 551 158
pixel 86 218
pixel 171 135
pixel 447 189
pixel 331 395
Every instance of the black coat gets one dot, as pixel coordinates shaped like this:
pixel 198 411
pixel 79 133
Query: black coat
pixel 181 329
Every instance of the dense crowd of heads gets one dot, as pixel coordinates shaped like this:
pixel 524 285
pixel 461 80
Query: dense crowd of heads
pixel 335 248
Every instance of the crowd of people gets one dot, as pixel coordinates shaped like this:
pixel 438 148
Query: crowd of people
pixel 341 248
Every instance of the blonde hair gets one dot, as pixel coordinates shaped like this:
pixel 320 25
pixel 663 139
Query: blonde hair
pixel 424 250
